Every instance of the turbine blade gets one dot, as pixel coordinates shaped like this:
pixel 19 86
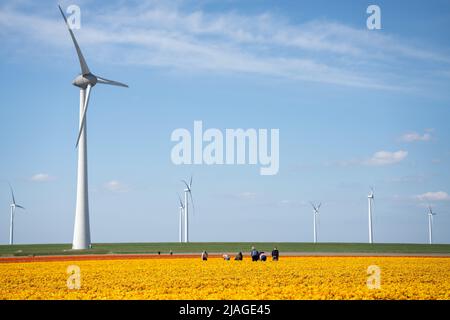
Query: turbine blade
pixel 318 207
pixel 111 82
pixel 18 206
pixel 190 182
pixel 192 202
pixel 83 119
pixel 181 201
pixel 186 184
pixel 83 64
pixel 12 194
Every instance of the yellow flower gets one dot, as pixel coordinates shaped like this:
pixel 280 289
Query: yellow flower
pixel 188 278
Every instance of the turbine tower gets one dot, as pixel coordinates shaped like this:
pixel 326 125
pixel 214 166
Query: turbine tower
pixel 430 224
pixel 316 215
pixel 370 198
pixel 180 229
pixel 187 195
pixel 85 81
pixel 14 205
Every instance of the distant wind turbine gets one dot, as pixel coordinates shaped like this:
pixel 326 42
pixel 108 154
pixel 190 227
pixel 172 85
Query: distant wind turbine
pixel 180 229
pixel 187 195
pixel 370 198
pixel 14 205
pixel 430 224
pixel 85 81
pixel 316 215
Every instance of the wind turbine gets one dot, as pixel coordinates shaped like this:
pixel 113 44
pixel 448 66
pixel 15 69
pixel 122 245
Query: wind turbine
pixel 180 230
pixel 14 205
pixel 85 81
pixel 316 215
pixel 370 198
pixel 430 224
pixel 187 195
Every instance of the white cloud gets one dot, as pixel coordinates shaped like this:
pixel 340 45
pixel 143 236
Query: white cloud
pixel 158 34
pixel 433 196
pixel 116 186
pixel 247 195
pixel 41 177
pixel 408 179
pixel 414 137
pixel 382 158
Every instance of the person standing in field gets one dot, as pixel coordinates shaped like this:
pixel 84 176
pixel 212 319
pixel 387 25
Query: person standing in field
pixel 255 254
pixel 275 254
pixel 239 257
pixel 262 256
pixel 204 255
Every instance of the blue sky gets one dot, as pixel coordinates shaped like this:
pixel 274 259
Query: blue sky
pixel 354 108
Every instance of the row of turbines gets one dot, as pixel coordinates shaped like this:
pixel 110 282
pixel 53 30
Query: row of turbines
pixel 189 201
pixel 371 199
pixel 183 228
pixel 85 81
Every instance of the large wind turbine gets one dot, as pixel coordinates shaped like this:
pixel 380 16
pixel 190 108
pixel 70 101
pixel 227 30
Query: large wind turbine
pixel 430 224
pixel 316 215
pixel 180 230
pixel 370 198
pixel 14 205
pixel 187 195
pixel 85 81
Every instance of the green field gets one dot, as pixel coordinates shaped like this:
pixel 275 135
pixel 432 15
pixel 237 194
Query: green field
pixel 222 247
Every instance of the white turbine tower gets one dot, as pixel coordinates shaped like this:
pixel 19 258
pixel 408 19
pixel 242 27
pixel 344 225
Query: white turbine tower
pixel 14 205
pixel 180 229
pixel 430 224
pixel 370 198
pixel 187 195
pixel 316 215
pixel 85 81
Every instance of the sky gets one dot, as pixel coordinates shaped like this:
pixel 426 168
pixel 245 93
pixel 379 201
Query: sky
pixel 354 107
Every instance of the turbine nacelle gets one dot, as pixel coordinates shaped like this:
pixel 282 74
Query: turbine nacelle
pixel 181 202
pixel 83 80
pixel 371 193
pixel 431 212
pixel 188 185
pixel 316 208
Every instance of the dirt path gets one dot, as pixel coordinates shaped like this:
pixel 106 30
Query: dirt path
pixel 197 256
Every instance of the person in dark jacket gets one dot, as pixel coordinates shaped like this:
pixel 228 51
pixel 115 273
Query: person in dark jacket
pixel 255 254
pixel 275 254
pixel 239 257
pixel 262 256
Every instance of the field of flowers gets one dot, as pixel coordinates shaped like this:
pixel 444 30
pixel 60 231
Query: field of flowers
pixel 189 278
